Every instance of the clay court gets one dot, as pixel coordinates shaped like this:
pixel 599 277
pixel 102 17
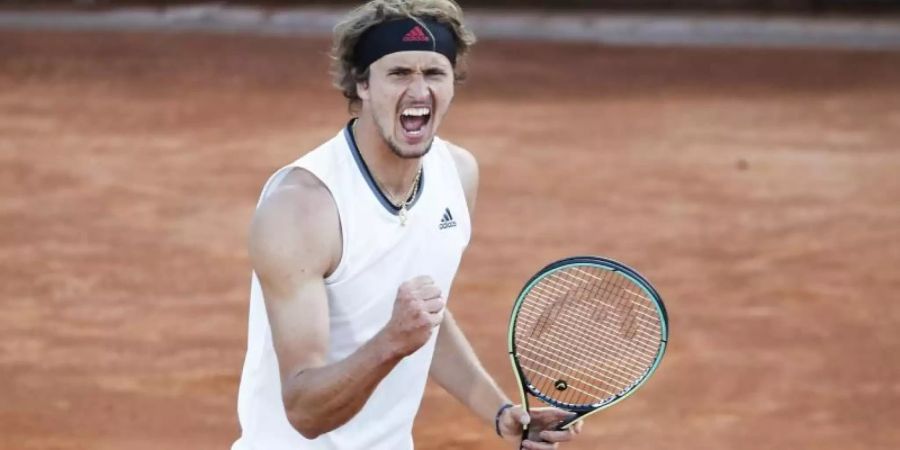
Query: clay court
pixel 758 189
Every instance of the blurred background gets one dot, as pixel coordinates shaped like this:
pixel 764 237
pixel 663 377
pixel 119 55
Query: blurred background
pixel 802 6
pixel 741 154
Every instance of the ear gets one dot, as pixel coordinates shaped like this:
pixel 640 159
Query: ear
pixel 362 90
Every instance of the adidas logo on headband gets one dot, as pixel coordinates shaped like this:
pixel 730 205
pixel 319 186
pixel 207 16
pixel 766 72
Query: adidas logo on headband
pixel 401 35
pixel 416 35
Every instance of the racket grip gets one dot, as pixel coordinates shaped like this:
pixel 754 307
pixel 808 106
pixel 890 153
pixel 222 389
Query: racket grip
pixel 526 431
pixel 531 434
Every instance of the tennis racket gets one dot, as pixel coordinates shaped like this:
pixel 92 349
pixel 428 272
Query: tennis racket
pixel 584 334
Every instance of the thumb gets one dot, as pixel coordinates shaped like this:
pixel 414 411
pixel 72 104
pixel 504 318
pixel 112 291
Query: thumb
pixel 522 416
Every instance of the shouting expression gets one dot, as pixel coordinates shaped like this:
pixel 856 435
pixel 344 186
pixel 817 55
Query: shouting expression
pixel 407 95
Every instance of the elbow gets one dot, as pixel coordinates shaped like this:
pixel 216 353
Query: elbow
pixel 308 433
pixel 304 414
pixel 306 420
pixel 306 425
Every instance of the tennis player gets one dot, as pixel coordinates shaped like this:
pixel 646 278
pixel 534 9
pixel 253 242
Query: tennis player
pixel 354 248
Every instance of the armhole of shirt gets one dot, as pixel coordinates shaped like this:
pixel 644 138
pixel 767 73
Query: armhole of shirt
pixel 462 189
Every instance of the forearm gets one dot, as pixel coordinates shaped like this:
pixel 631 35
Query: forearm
pixel 456 368
pixel 320 399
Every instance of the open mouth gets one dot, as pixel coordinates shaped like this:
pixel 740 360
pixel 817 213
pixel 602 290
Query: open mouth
pixel 414 120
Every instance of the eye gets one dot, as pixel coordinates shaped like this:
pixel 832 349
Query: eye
pixel 399 72
pixel 435 73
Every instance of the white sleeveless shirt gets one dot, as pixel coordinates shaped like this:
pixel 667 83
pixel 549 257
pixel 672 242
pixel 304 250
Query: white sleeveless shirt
pixel 379 254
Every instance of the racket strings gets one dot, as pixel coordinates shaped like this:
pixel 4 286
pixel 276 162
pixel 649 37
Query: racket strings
pixel 585 334
pixel 600 313
pixel 609 377
pixel 606 378
pixel 628 325
pixel 578 359
pixel 562 336
pixel 627 368
pixel 579 369
pixel 592 334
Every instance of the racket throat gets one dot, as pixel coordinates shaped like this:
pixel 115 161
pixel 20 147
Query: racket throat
pixel 565 424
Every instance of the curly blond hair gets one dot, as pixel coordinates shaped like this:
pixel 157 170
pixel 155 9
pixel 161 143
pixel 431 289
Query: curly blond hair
pixel 348 31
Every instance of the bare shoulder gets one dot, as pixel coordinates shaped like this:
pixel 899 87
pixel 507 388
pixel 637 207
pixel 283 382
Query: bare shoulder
pixel 467 167
pixel 296 228
pixel 466 164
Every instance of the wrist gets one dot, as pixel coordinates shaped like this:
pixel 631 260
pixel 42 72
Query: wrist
pixel 387 347
pixel 500 412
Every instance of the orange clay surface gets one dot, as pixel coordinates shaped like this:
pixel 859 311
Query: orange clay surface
pixel 758 189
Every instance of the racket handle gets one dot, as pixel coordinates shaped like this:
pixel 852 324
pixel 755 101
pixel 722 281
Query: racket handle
pixel 526 430
pixel 531 435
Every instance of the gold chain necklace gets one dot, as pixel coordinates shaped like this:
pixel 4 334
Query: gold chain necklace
pixel 403 205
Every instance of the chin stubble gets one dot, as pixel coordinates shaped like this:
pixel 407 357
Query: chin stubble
pixel 396 150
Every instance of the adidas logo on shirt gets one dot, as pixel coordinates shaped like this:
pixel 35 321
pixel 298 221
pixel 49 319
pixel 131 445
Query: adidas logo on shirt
pixel 447 221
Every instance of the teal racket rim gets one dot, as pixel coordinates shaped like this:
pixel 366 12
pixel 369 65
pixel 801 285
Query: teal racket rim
pixel 583 409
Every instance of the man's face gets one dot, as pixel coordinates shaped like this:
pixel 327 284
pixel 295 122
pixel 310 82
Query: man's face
pixel 407 95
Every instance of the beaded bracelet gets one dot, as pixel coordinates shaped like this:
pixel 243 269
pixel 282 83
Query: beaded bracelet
pixel 497 417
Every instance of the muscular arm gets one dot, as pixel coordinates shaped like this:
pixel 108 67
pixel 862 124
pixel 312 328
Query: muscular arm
pixel 295 241
pixel 455 367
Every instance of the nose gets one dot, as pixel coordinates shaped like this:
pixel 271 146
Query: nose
pixel 418 88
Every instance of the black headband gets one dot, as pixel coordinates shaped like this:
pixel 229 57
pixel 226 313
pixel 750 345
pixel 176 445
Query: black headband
pixel 404 35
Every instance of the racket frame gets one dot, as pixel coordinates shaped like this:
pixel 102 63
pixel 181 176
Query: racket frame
pixel 583 411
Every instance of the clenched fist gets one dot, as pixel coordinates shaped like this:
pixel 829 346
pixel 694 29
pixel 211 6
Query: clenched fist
pixel 418 309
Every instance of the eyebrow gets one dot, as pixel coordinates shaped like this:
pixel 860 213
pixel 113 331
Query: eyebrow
pixel 428 68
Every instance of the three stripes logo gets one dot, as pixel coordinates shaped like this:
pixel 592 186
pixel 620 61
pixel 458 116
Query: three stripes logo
pixel 416 35
pixel 447 221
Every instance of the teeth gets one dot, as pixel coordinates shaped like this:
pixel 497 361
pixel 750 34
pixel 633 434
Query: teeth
pixel 416 112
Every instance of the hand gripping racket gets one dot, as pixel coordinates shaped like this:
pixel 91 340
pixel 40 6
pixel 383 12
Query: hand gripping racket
pixel 584 334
